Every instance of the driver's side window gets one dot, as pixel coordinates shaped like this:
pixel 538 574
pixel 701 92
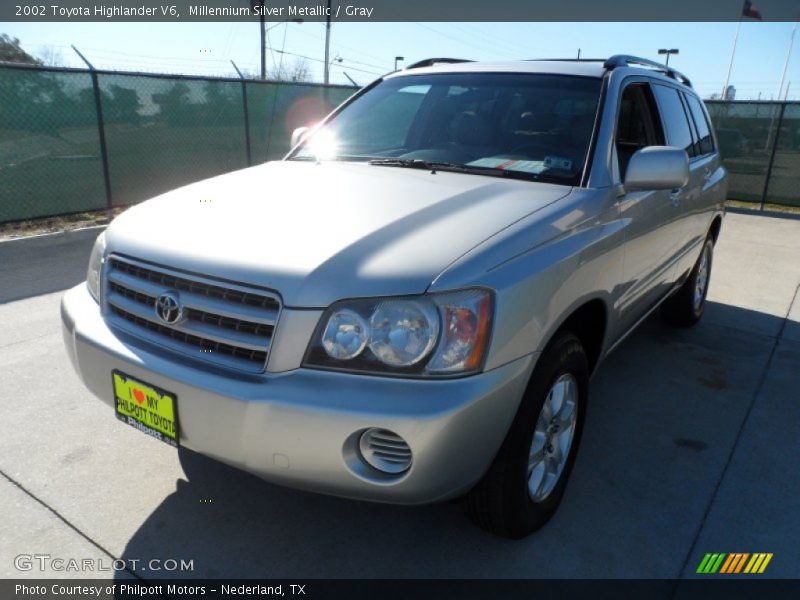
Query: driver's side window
pixel 638 125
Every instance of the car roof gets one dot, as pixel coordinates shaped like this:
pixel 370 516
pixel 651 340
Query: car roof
pixel 561 67
pixel 582 68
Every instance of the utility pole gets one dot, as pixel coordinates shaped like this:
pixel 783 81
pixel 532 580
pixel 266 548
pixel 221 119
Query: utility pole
pixel 263 41
pixel 579 53
pixel 264 31
pixel 328 44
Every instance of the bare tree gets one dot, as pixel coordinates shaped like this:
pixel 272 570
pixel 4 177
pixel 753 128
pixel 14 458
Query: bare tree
pixel 298 70
pixel 50 56
pixel 301 71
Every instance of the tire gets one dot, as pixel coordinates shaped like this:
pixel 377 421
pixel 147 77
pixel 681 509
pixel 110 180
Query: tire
pixel 685 307
pixel 501 502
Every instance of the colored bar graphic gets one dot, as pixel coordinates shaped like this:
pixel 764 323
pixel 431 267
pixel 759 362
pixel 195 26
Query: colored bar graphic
pixel 734 563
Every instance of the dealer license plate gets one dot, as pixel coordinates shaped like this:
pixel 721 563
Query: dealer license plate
pixel 146 407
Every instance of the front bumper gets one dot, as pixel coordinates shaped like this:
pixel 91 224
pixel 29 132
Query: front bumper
pixel 300 428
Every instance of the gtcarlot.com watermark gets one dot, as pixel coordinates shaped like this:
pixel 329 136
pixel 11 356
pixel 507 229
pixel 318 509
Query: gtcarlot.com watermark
pixel 48 562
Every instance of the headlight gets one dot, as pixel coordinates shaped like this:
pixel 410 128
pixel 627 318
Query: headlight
pixel 345 335
pixel 434 335
pixel 403 332
pixel 96 266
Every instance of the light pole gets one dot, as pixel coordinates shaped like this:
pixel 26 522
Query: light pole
pixel 668 51
pixel 397 58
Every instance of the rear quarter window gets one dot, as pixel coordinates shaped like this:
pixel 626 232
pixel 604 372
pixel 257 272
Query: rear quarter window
pixel 676 125
pixel 705 142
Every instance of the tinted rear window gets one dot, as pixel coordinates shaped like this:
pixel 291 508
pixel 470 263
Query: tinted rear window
pixel 705 143
pixel 674 116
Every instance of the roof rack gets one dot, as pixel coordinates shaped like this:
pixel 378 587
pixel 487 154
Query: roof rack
pixel 618 60
pixel 625 60
pixel 567 59
pixel 428 62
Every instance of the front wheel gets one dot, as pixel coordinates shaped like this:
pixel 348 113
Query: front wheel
pixel 685 307
pixel 527 479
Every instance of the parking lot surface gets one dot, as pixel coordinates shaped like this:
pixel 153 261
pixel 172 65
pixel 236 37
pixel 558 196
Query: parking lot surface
pixel 691 446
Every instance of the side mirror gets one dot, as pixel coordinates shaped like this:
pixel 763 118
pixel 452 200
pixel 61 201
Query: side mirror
pixel 657 168
pixel 298 135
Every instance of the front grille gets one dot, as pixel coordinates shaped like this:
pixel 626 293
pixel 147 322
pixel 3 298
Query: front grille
pixel 226 324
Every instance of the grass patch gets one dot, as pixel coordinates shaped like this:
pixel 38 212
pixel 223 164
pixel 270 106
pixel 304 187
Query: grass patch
pixel 80 220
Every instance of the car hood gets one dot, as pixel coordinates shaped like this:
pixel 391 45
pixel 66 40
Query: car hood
pixel 318 232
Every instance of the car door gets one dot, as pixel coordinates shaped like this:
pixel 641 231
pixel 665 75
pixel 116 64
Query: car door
pixel 650 215
pixel 681 133
pixel 706 173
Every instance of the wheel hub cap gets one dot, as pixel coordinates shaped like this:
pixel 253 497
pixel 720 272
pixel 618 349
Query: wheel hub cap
pixel 552 438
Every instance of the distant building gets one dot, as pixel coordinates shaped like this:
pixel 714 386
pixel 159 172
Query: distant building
pixel 730 93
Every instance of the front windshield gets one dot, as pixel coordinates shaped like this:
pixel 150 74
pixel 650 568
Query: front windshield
pixel 534 125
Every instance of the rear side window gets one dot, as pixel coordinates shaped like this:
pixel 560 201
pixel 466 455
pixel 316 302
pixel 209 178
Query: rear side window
pixel 674 116
pixel 705 142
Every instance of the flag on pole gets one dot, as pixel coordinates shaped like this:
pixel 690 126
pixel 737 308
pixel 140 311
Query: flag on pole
pixel 750 11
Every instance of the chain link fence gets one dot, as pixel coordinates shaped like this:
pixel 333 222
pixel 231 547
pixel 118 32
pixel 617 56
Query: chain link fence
pixel 68 144
pixel 72 140
pixel 760 146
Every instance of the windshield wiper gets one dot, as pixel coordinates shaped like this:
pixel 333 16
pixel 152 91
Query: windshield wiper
pixel 343 158
pixel 416 163
pixel 433 166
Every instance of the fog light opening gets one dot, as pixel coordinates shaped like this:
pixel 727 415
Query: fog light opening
pixel 385 451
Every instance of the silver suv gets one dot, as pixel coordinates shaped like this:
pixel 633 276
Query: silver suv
pixel 409 306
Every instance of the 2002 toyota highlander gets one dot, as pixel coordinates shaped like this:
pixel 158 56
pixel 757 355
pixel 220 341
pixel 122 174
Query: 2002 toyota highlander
pixel 409 306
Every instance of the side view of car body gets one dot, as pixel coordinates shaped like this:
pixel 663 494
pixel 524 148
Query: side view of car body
pixel 408 308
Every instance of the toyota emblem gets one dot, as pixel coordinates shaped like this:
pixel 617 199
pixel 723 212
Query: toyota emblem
pixel 168 308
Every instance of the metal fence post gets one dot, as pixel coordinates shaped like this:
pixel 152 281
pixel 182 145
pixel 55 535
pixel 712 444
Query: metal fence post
pixel 246 116
pixel 772 155
pixel 98 104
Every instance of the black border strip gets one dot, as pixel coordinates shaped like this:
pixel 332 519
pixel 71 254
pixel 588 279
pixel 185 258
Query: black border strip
pixel 123 588
pixel 365 11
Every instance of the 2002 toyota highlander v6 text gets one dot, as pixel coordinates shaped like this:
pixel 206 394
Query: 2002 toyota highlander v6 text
pixel 408 307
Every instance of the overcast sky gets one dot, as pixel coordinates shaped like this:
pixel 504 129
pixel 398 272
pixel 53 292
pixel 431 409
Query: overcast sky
pixel 368 49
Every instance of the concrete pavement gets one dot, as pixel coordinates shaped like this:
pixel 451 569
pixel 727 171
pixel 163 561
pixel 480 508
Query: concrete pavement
pixel 44 263
pixel 690 446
